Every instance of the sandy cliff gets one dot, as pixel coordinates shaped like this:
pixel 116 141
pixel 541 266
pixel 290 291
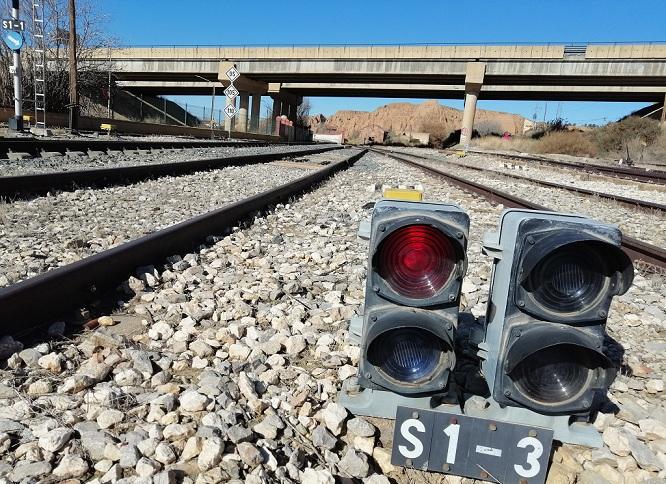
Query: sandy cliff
pixel 429 116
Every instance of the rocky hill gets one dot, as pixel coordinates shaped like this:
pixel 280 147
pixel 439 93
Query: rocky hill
pixel 429 117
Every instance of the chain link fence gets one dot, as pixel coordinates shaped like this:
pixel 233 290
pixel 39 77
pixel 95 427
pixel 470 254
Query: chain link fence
pixel 166 111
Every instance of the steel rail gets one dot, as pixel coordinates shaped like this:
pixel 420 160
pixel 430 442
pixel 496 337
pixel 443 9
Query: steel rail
pixel 14 186
pixel 632 202
pixel 636 249
pixel 634 174
pixel 35 147
pixel 47 296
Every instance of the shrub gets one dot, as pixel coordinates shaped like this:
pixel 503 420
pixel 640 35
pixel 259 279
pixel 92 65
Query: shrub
pixel 573 143
pixel 657 150
pixel 614 137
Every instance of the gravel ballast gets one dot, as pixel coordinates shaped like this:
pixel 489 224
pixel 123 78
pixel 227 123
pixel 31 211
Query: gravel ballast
pixel 643 224
pixel 227 362
pixel 111 159
pixel 54 230
pixel 563 176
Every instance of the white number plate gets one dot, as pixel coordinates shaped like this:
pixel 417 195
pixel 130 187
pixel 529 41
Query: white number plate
pixel 470 446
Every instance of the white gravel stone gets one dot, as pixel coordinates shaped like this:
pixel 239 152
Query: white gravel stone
pixel 40 387
pixel 355 463
pixel 317 476
pixel 147 467
pixel 361 427
pixel 106 321
pixel 334 416
pixel 52 362
pixel 249 454
pixel 109 418
pixel 71 466
pixel 654 386
pixel 55 439
pixel 653 429
pixel 176 432
pixel 192 401
pixel 165 454
pixel 210 454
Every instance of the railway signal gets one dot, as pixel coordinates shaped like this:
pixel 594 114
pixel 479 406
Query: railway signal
pixel 554 276
pixel 416 263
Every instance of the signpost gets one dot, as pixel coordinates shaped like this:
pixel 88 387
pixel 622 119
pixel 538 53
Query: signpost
pixel 231 92
pixel 12 35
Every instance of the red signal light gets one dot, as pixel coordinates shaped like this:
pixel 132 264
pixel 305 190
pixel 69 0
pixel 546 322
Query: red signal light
pixel 416 261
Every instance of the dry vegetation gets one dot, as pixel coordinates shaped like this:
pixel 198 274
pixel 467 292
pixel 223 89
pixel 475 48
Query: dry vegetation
pixel 91 35
pixel 644 139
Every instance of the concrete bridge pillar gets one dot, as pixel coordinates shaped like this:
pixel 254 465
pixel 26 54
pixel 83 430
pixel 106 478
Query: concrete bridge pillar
pixel 284 109
pixel 663 111
pixel 227 119
pixel 275 114
pixel 293 113
pixel 242 112
pixel 473 82
pixel 255 114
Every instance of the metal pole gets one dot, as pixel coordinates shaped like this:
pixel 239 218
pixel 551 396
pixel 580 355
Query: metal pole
pixel 18 94
pixel 73 86
pixel 165 111
pixel 185 114
pixel 108 89
pixel 212 114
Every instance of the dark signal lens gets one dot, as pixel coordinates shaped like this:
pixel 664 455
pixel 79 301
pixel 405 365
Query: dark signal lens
pixel 416 261
pixel 569 279
pixel 555 375
pixel 408 355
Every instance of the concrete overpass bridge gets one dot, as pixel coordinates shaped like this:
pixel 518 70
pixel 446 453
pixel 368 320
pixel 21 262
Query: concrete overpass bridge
pixel 580 72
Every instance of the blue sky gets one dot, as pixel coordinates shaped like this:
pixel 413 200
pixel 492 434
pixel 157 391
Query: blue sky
pixel 229 22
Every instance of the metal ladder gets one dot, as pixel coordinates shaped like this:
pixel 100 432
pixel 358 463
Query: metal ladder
pixel 39 64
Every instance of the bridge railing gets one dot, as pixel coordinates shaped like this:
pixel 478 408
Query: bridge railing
pixel 550 50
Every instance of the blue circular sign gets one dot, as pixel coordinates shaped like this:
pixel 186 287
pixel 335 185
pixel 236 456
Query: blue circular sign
pixel 13 39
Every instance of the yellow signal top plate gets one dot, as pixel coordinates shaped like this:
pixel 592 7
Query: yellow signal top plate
pixel 403 194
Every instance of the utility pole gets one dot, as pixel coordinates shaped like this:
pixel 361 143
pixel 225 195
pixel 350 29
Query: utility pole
pixel 212 114
pixel 16 70
pixel 73 86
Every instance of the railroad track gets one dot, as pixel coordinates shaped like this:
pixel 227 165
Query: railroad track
pixel 635 174
pixel 15 186
pixel 631 202
pixel 646 254
pixel 35 147
pixel 54 293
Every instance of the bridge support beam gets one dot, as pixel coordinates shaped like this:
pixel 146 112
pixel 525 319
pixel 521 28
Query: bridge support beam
pixel 255 113
pixel 227 119
pixel 473 81
pixel 242 112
